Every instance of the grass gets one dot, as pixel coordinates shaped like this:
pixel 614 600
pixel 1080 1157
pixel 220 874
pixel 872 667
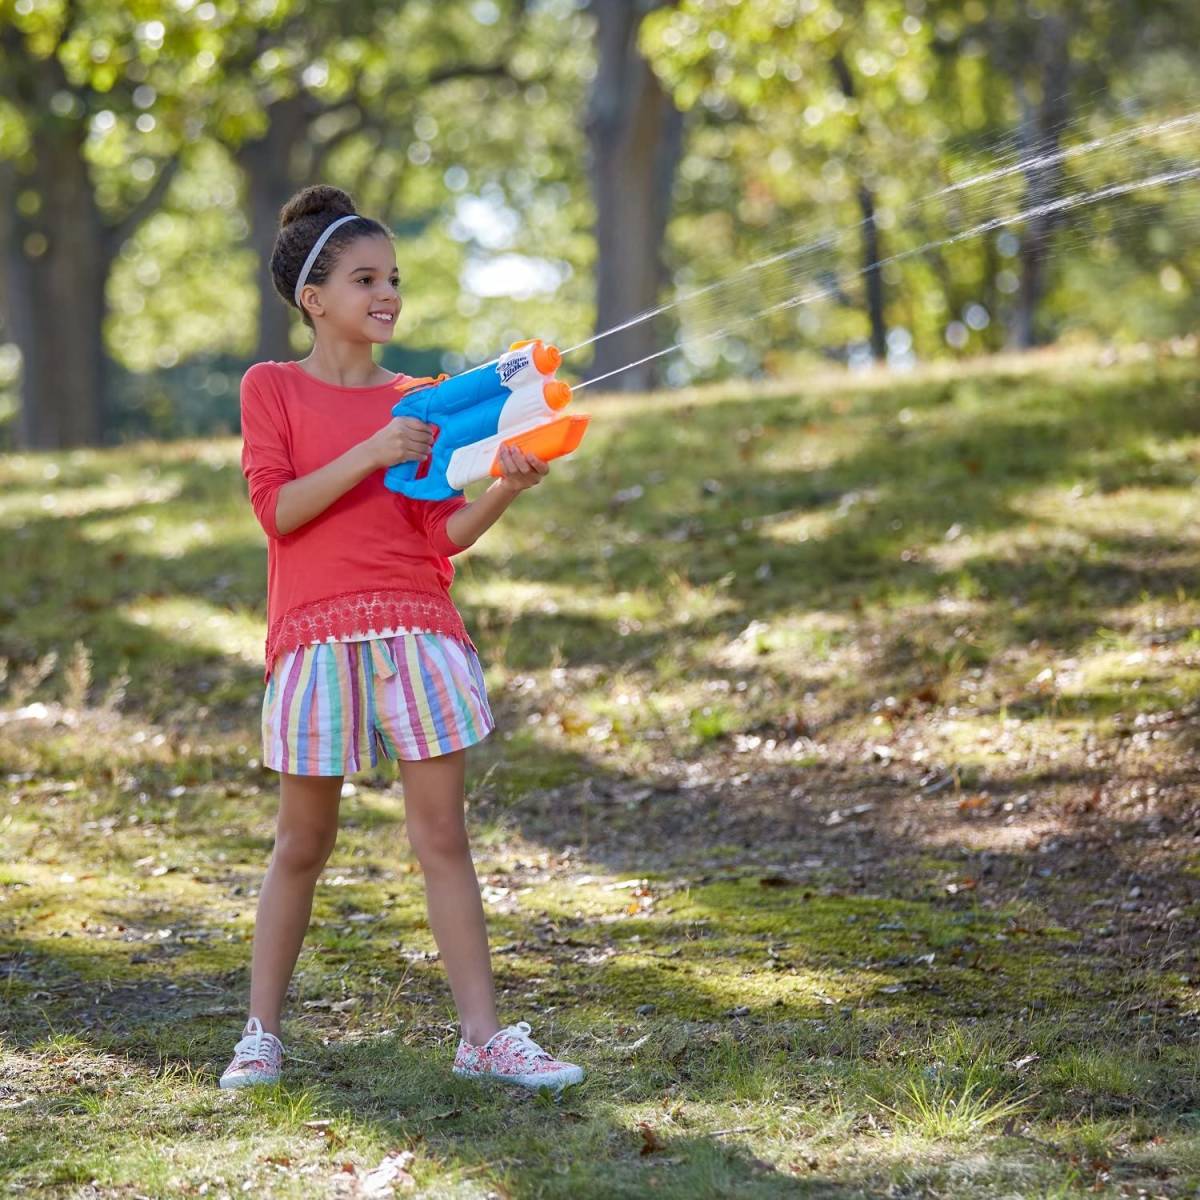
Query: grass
pixel 839 818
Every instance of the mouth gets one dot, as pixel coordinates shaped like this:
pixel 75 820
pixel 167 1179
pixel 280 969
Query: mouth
pixel 385 318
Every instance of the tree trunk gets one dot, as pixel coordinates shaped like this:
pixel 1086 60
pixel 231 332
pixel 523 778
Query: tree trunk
pixel 56 264
pixel 272 176
pixel 635 137
pixel 872 272
pixel 1040 130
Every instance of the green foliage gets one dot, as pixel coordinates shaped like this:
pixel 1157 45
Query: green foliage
pixel 461 124
pixel 778 152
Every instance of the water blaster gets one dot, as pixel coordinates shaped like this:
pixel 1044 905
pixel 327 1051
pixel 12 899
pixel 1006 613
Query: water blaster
pixel 514 401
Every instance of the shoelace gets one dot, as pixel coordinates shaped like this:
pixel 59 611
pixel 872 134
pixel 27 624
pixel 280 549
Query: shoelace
pixel 519 1033
pixel 250 1049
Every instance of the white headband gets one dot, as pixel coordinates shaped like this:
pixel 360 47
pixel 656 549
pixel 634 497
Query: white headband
pixel 312 254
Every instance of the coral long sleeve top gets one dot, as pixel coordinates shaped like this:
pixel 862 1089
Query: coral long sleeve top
pixel 373 559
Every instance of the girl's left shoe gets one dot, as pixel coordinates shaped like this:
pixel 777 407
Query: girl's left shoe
pixel 514 1057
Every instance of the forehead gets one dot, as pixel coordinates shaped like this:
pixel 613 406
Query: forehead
pixel 375 254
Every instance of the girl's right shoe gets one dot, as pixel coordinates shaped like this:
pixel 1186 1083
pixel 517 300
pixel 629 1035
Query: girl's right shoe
pixel 257 1058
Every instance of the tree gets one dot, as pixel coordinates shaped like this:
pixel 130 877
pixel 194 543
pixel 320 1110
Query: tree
pixel 829 91
pixel 1056 58
pixel 62 70
pixel 100 104
pixel 635 135
pixel 363 78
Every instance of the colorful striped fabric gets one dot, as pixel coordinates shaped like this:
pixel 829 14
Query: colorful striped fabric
pixel 335 707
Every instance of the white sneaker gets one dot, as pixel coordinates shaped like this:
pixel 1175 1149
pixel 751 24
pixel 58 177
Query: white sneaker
pixel 513 1056
pixel 257 1058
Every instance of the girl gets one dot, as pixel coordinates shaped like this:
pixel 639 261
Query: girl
pixel 366 654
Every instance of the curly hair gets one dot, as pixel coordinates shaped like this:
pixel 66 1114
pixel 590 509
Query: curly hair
pixel 301 221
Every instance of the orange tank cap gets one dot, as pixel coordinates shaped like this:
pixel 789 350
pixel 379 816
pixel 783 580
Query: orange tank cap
pixel 547 359
pixel 556 393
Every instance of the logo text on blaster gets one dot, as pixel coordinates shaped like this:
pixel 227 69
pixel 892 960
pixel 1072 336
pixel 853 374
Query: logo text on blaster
pixel 510 368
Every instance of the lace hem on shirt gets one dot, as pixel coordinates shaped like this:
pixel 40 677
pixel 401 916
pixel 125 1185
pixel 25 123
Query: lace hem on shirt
pixel 359 612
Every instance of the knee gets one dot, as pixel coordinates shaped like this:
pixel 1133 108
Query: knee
pixel 439 839
pixel 304 851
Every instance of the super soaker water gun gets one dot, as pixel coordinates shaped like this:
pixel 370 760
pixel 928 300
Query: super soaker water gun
pixel 515 400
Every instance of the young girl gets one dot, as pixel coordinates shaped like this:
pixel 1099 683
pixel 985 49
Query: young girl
pixel 366 653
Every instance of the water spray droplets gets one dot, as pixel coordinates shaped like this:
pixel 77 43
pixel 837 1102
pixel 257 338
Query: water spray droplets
pixel 809 269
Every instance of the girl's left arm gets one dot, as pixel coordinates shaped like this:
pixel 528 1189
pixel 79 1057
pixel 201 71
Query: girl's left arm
pixel 521 471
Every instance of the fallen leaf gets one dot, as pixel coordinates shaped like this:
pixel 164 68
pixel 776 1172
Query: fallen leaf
pixel 650 1139
pixel 391 1173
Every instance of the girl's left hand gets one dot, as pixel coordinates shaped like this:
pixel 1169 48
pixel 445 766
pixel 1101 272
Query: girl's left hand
pixel 520 470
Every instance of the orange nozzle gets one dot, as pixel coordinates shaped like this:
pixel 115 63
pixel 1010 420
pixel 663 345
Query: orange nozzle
pixel 556 393
pixel 547 359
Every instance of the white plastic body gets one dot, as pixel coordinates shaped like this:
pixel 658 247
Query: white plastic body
pixel 525 409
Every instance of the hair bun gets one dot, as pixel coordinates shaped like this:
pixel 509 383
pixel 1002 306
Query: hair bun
pixel 319 199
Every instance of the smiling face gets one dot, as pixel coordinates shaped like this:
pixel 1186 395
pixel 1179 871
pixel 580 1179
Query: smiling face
pixel 360 300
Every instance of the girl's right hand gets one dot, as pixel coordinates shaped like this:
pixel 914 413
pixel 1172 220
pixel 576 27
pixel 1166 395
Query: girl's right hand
pixel 401 439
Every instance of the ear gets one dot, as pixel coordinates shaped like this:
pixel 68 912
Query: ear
pixel 310 300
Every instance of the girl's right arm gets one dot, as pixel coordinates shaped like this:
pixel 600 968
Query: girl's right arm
pixel 300 500
pixel 281 501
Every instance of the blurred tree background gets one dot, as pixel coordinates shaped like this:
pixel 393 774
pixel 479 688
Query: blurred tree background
pixel 554 167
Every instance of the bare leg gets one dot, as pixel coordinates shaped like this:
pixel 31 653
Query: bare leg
pixel 434 814
pixel 304 837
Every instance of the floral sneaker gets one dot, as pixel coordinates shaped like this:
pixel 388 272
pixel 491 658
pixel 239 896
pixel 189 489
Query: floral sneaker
pixel 257 1058
pixel 514 1057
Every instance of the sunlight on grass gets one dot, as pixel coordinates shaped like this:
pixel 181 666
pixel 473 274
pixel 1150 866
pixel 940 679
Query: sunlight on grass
pixel 800 527
pixel 62 502
pixel 1156 512
pixel 934 1109
pixel 199 624
pixel 519 597
pixel 165 535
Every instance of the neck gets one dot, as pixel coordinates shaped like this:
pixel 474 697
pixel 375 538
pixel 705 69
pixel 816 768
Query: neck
pixel 347 364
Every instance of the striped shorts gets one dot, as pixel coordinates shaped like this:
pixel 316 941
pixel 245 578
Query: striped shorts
pixel 335 707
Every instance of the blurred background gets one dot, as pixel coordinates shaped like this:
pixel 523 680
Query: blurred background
pixel 553 167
